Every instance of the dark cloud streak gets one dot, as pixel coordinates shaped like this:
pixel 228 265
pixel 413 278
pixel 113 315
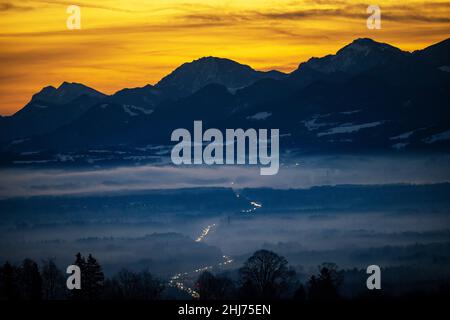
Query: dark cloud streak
pixel 8 6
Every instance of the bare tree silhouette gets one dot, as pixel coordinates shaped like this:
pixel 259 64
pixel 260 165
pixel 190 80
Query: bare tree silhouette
pixel 265 275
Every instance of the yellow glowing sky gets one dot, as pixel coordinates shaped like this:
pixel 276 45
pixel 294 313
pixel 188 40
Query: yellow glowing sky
pixel 135 42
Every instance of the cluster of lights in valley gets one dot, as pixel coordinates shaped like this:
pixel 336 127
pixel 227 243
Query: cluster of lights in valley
pixel 179 280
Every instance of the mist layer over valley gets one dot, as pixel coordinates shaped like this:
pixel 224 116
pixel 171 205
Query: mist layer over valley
pixel 355 214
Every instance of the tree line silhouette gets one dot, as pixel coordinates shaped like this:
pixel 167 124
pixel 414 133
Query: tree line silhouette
pixel 28 282
pixel 265 275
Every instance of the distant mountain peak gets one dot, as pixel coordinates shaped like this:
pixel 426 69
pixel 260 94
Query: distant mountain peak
pixel 65 85
pixel 366 42
pixel 194 75
pixel 214 59
pixel 359 55
pixel 366 45
pixel 66 92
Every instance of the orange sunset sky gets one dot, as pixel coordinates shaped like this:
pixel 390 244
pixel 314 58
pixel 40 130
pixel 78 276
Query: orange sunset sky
pixel 136 42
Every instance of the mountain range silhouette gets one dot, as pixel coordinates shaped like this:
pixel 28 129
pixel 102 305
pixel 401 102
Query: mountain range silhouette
pixel 368 97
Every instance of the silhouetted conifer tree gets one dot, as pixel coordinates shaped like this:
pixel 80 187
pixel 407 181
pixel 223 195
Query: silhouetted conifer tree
pixel 80 294
pixel 8 282
pixel 94 278
pixel 325 285
pixel 30 281
pixel 53 281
